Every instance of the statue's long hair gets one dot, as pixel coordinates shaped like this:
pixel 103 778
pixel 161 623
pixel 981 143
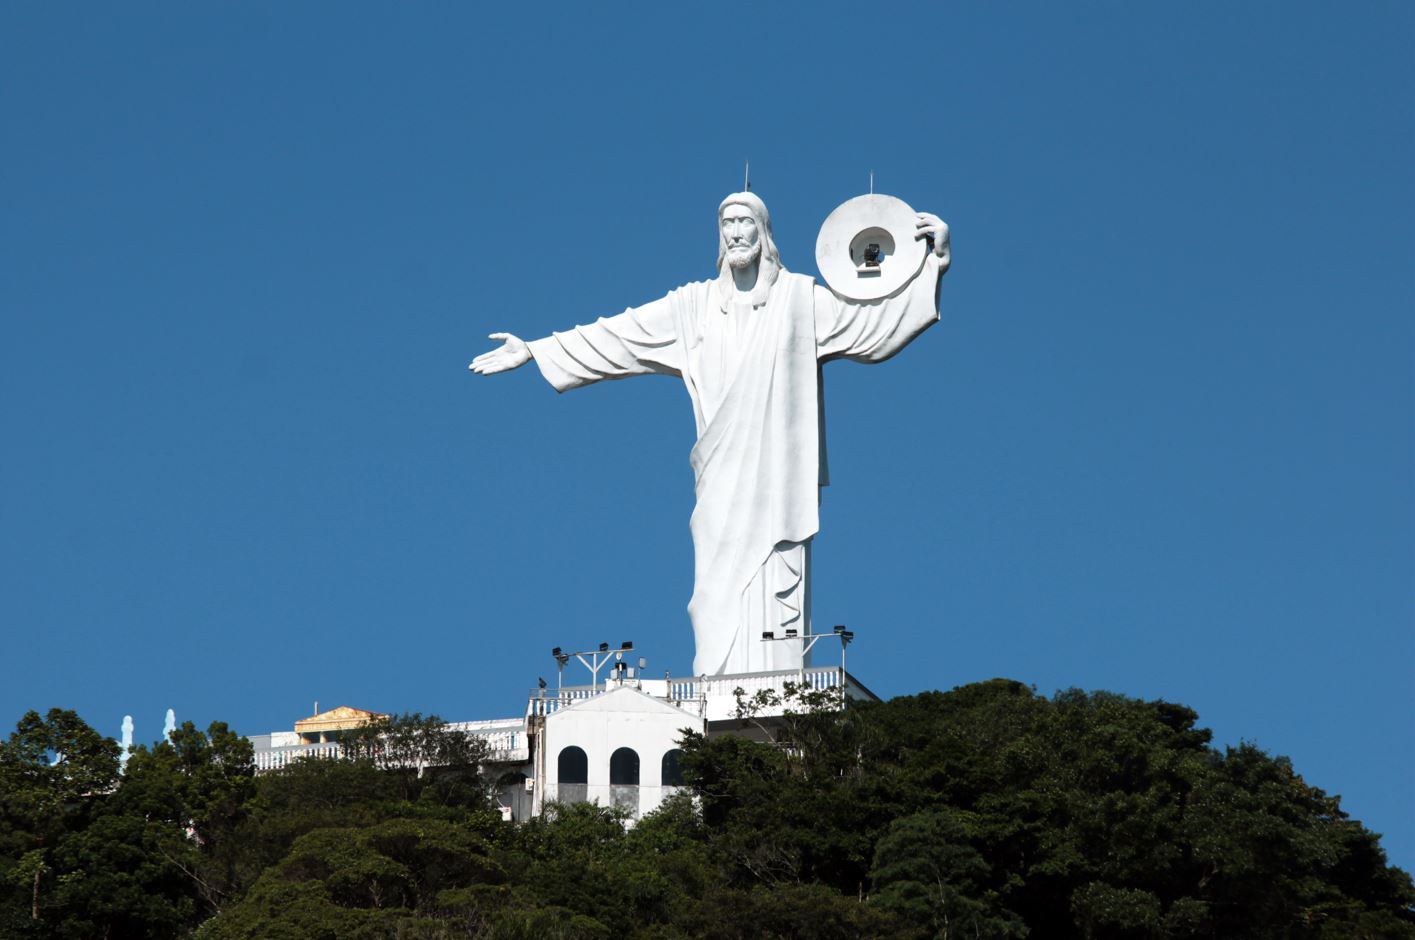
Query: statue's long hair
pixel 770 256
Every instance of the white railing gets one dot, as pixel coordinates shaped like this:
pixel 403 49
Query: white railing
pixel 278 757
pixel 681 693
pixel 712 697
pixel 721 691
pixel 683 690
pixel 545 702
pixel 504 744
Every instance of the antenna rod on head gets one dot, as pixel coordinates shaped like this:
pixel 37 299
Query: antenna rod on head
pixel 747 177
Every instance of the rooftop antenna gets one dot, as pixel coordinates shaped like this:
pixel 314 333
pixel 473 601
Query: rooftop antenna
pixel 872 182
pixel 747 177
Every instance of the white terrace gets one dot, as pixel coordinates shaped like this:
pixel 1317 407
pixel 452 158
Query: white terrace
pixel 712 698
pixel 613 741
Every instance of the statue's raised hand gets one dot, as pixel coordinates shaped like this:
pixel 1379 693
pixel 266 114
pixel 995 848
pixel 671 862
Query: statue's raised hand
pixel 511 354
pixel 935 230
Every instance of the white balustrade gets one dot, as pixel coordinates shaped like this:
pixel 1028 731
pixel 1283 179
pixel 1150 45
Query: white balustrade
pixel 711 697
pixel 505 743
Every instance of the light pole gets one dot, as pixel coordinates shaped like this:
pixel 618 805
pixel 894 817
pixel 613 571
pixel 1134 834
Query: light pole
pixel 808 640
pixel 597 659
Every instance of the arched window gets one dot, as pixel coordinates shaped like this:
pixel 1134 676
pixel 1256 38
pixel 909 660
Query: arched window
pixel 673 768
pixel 574 766
pixel 624 767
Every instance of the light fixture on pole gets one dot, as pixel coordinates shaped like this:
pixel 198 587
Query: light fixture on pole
pixel 561 658
pixel 808 640
pixel 597 659
pixel 845 637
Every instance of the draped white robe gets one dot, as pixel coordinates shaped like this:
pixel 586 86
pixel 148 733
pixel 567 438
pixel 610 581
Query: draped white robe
pixel 753 374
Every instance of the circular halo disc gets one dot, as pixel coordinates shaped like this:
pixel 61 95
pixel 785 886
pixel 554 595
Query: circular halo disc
pixel 867 248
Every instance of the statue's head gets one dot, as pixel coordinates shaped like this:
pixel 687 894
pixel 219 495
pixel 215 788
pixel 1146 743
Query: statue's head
pixel 744 232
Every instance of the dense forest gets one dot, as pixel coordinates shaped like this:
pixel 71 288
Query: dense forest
pixel 988 811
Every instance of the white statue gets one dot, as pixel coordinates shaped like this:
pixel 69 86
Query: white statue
pixel 126 745
pixel 749 346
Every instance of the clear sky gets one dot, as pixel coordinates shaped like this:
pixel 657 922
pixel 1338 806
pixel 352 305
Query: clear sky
pixel 1162 442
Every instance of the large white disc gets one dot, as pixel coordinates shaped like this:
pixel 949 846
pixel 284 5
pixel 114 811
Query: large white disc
pixel 867 247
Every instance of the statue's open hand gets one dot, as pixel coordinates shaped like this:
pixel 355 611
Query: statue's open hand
pixel 511 354
pixel 935 230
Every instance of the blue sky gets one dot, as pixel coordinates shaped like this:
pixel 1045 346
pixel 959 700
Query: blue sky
pixel 1162 442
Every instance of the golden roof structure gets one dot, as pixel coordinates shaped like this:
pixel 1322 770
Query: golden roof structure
pixel 343 718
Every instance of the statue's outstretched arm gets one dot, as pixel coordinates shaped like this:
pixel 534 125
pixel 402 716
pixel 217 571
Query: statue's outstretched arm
pixel 511 354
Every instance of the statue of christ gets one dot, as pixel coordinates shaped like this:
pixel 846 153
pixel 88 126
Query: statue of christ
pixel 749 345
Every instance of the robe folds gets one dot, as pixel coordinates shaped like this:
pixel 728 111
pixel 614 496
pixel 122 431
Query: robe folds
pixel 753 375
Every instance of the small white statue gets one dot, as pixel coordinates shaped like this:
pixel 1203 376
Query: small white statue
pixel 748 345
pixel 127 743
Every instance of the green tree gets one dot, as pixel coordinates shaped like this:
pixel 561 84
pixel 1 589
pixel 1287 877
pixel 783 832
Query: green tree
pixel 425 756
pixel 384 880
pixel 987 811
pixel 55 772
pixel 1082 815
pixel 198 786
pixel 927 870
pixel 115 878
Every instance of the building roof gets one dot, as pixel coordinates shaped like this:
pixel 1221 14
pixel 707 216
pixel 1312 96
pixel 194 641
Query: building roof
pixel 338 719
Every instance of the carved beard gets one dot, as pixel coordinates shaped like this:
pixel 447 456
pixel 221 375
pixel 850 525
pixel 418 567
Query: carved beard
pixel 744 255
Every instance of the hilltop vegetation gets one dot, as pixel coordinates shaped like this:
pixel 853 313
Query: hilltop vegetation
pixel 988 811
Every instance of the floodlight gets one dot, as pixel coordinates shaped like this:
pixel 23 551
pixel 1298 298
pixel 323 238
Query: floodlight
pixel 604 647
pixel 768 635
pixel 840 628
pixel 627 645
pixel 791 631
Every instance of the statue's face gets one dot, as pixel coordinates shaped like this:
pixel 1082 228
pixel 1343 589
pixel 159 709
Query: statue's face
pixel 741 236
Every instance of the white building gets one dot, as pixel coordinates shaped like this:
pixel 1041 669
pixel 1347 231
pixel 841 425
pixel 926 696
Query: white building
pixel 612 742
